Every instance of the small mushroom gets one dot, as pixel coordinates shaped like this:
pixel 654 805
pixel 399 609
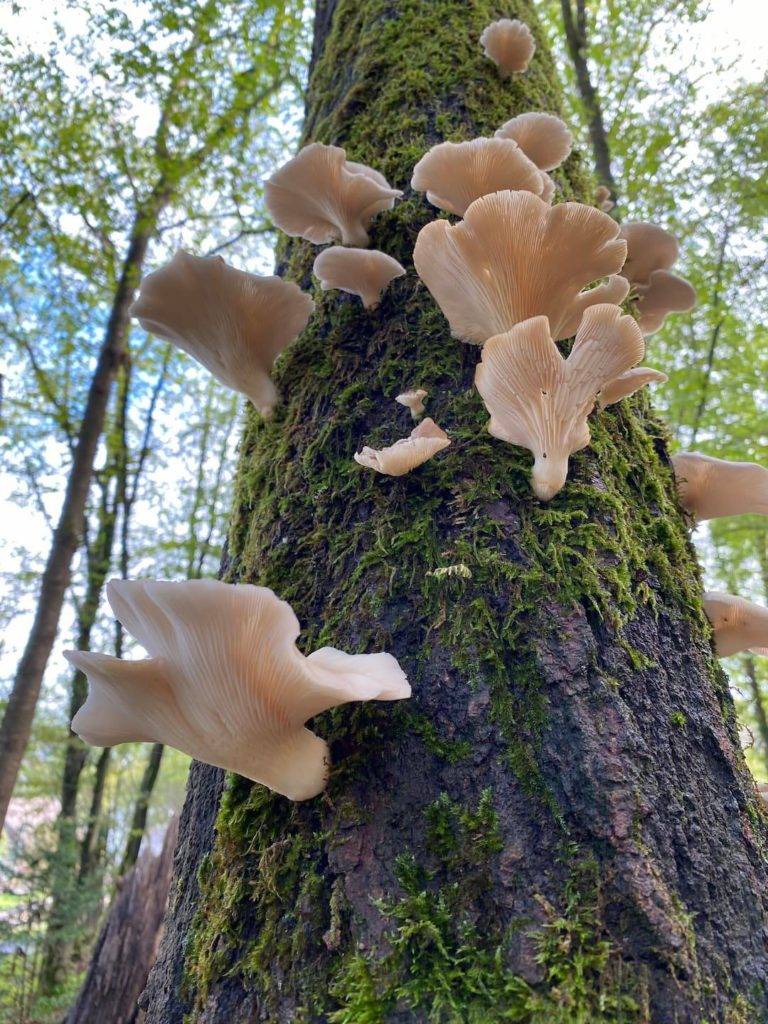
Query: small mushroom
pixel 711 488
pixel 541 401
pixel 738 625
pixel 234 324
pixel 363 272
pixel 400 458
pixel 225 682
pixel 413 400
pixel 454 174
pixel 321 196
pixel 543 138
pixel 663 294
pixel 628 383
pixel 509 43
pixel 514 257
pixel 649 248
pixel 603 199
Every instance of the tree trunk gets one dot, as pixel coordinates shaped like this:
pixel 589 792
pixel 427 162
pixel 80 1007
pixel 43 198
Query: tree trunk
pixel 559 826
pixel 90 843
pixel 139 819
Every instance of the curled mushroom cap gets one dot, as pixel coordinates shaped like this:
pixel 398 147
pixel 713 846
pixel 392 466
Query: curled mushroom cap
pixel 363 272
pixel 663 294
pixel 321 196
pixel 711 488
pixel 628 383
pixel 738 625
pixel 514 257
pixel 539 400
pixel 649 248
pixel 225 682
pixel 509 44
pixel 603 198
pixel 454 174
pixel 235 324
pixel 543 138
pixel 400 458
pixel 413 400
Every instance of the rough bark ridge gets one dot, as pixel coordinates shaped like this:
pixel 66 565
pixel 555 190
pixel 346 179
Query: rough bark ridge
pixel 559 826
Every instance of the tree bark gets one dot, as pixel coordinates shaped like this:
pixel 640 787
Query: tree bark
pixel 559 825
pixel 139 818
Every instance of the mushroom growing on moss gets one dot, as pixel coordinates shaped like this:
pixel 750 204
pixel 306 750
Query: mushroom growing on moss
pixel 321 196
pixel 628 383
pixel 454 174
pixel 413 400
pixel 424 442
pixel 539 400
pixel 509 43
pixel 225 682
pixel 738 625
pixel 544 138
pixel 711 488
pixel 234 323
pixel 514 257
pixel 363 272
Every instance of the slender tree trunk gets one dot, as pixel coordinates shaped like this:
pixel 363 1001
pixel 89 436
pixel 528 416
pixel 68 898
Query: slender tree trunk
pixel 758 704
pixel 90 844
pixel 139 819
pixel 559 826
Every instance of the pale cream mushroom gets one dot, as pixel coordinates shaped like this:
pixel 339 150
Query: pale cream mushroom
pixel 234 324
pixel 738 625
pixel 225 682
pixel 603 198
pixel 663 294
pixel 321 196
pixel 649 248
pixel 424 442
pixel 628 383
pixel 543 138
pixel 711 488
pixel 514 257
pixel 363 272
pixel 541 401
pixel 413 400
pixel 454 174
pixel 509 43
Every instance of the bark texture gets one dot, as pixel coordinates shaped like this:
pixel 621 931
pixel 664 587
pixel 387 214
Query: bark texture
pixel 559 827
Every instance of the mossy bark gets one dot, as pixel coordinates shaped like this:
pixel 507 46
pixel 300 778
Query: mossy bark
pixel 559 825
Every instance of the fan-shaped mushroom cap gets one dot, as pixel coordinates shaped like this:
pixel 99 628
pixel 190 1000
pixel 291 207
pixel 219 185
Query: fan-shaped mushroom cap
pixel 543 138
pixel 509 44
pixel 413 400
pixel 400 458
pixel 711 488
pixel 603 198
pixel 738 625
pixel 665 293
pixel 225 682
pixel 628 383
pixel 322 197
pixel 514 257
pixel 234 323
pixel 649 248
pixel 454 174
pixel 363 272
pixel 539 400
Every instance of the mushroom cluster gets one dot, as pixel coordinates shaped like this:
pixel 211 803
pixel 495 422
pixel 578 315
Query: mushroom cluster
pixel 651 251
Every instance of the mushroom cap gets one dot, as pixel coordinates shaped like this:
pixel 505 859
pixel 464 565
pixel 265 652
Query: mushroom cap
pixel 543 138
pixel 603 198
pixel 363 272
pixel 234 324
pixel 424 442
pixel 514 257
pixel 663 294
pixel 413 400
pixel 628 383
pixel 509 43
pixel 711 488
pixel 649 248
pixel 321 196
pixel 539 400
pixel 738 625
pixel 225 682
pixel 454 174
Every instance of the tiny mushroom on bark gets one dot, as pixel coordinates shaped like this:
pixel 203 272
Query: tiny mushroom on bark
pixel 363 272
pixel 711 488
pixel 603 198
pixel 225 682
pixel 509 43
pixel 628 383
pixel 234 323
pixel 543 138
pixel 321 196
pixel 413 400
pixel 454 174
pixel 539 400
pixel 400 458
pixel 738 625
pixel 514 257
